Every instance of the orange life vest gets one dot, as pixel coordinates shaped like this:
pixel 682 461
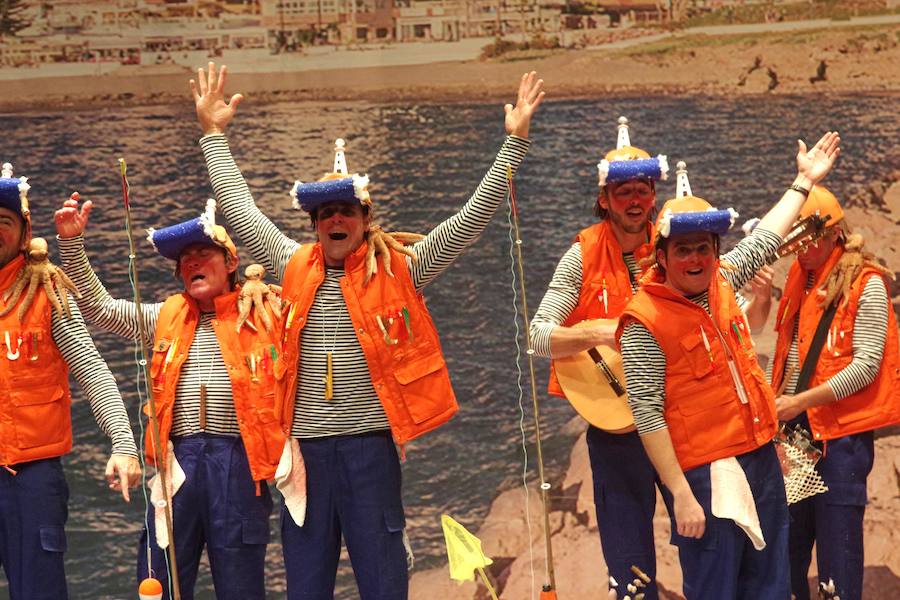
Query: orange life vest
pixel 877 404
pixel 409 377
pixel 35 420
pixel 602 268
pixel 254 401
pixel 705 413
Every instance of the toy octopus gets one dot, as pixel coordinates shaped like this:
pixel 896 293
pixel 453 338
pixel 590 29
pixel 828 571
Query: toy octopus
pixel 253 292
pixel 381 241
pixel 39 270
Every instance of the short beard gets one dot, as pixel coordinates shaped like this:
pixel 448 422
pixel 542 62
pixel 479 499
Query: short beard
pixel 627 227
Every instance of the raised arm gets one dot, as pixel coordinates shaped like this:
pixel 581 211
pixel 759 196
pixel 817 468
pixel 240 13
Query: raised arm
pixel 812 166
pixel 97 383
pixel 263 239
pixel 447 241
pixel 753 251
pixel 118 316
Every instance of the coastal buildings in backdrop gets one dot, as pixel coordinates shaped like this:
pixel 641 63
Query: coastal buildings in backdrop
pixel 109 34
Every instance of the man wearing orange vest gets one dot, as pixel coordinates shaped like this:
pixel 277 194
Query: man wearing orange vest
pixel 42 342
pixel 700 401
pixel 213 385
pixel 837 347
pixel 595 279
pixel 362 368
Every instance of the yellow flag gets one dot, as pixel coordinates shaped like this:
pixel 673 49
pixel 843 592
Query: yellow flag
pixel 463 550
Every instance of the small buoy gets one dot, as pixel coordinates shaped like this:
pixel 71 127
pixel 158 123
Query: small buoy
pixel 150 589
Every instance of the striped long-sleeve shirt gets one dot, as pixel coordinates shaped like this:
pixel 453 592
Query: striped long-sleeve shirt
pixel 644 360
pixel 869 334
pixel 95 379
pixel 204 364
pixel 355 407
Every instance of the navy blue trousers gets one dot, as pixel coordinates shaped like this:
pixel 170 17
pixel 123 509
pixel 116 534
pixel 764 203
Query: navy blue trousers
pixel 33 513
pixel 353 487
pixel 217 507
pixel 833 521
pixel 723 565
pixel 625 500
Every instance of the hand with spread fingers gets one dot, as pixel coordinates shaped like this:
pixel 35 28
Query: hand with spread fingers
pixel 123 472
pixel 70 220
pixel 518 117
pixel 815 163
pixel 213 110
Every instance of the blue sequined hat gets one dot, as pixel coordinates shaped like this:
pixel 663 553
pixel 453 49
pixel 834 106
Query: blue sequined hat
pixel 14 191
pixel 337 186
pixel 171 241
pixel 686 213
pixel 627 162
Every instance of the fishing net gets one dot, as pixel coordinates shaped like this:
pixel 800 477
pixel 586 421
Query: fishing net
pixel 798 458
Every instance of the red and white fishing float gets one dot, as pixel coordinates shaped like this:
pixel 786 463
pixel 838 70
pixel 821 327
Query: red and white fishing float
pixel 150 589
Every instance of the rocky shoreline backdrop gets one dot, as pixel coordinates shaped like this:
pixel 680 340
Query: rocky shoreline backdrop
pixel 579 565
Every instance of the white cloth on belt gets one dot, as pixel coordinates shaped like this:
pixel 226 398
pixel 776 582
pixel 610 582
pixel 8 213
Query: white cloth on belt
pixel 290 479
pixel 733 499
pixel 176 480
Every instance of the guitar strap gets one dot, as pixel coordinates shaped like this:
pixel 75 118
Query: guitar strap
pixel 815 348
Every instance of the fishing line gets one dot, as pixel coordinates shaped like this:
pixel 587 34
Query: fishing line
pixel 515 305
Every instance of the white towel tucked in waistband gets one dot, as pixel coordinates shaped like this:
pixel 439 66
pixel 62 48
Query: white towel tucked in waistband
pixel 733 499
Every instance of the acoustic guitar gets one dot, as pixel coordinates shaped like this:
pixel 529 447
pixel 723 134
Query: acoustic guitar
pixel 594 382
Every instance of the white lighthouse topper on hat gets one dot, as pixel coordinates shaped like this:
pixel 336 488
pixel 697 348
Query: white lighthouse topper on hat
pixel 682 185
pixel 340 161
pixel 624 139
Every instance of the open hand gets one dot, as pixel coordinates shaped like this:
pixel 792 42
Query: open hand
pixel 815 163
pixel 518 117
pixel 123 472
pixel 213 111
pixel 70 221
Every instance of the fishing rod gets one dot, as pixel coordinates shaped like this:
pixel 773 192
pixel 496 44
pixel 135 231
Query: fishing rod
pixel 160 453
pixel 548 591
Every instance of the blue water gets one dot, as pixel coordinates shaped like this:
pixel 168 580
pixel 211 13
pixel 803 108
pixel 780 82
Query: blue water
pixel 424 160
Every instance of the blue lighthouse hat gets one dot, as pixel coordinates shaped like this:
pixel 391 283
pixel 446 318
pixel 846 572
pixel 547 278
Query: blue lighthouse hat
pixel 628 162
pixel 687 213
pixel 14 191
pixel 337 186
pixel 171 241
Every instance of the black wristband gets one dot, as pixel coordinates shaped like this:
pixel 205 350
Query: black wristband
pixel 799 188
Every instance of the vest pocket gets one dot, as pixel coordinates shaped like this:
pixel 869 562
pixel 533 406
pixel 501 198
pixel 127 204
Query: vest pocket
pixel 419 379
pixel 41 413
pixel 696 355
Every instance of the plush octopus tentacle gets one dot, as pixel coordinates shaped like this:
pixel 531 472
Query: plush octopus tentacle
pixel 257 296
pixel 29 296
pixel 406 237
pixel 382 249
pixel 393 243
pixel 381 243
pixel 11 295
pixel 371 263
pixel 47 283
pixel 275 300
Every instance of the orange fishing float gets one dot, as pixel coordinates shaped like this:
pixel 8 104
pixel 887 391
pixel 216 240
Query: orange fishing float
pixel 150 589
